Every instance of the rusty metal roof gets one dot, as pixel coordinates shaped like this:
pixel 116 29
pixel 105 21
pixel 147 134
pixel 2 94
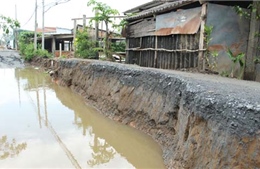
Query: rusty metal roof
pixel 179 22
pixel 161 8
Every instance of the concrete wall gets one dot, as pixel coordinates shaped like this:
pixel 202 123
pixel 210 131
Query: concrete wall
pixel 229 32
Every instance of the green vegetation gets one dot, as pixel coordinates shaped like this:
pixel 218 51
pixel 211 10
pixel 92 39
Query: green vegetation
pixel 210 56
pixel 6 23
pixel 208 31
pixel 247 13
pixel 212 64
pixel 103 14
pixel 118 47
pixel 239 58
pixel 85 47
pixel 26 47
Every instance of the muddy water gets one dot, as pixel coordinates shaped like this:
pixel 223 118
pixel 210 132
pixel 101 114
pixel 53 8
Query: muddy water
pixel 44 125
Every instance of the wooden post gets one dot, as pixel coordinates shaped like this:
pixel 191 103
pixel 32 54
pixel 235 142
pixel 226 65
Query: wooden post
pixel 155 52
pixel 201 62
pixel 84 22
pixel 60 49
pixel 127 57
pixel 74 34
pixel 140 56
pixel 53 46
pixel 96 34
pixel 249 72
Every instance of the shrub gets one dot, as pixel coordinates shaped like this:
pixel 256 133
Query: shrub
pixel 28 51
pixel 85 47
pixel 26 47
pixel 42 53
pixel 118 46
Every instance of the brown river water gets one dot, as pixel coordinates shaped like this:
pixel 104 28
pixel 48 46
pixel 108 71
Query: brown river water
pixel 43 125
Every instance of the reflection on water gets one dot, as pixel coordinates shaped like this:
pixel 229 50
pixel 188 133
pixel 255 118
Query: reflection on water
pixel 102 152
pixel 59 130
pixel 10 149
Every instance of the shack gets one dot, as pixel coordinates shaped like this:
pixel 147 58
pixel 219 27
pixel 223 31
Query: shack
pixel 186 34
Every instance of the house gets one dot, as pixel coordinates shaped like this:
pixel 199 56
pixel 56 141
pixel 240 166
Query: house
pixel 186 34
pixel 57 40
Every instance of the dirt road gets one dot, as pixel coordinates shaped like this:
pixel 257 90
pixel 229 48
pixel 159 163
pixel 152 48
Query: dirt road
pixel 10 59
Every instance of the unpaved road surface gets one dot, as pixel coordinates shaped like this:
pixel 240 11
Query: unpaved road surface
pixel 10 59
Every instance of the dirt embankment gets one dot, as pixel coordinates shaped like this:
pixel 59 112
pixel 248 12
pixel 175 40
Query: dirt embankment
pixel 200 121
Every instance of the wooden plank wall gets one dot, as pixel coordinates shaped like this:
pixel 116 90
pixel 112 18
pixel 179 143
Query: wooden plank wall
pixel 142 27
pixel 171 52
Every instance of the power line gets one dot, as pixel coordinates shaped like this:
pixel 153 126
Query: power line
pixel 57 3
pixel 29 19
pixel 52 4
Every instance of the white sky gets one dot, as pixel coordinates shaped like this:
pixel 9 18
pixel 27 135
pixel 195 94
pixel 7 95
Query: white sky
pixel 60 15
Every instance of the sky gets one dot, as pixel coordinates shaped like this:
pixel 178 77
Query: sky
pixel 60 15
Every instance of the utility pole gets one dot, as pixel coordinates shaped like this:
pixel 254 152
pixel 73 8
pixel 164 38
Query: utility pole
pixel 35 27
pixel 42 24
pixel 15 31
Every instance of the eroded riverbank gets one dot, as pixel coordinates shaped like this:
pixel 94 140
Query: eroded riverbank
pixel 200 121
pixel 43 125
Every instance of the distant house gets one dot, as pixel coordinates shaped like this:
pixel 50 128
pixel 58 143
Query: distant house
pixel 101 34
pixel 56 39
pixel 54 30
pixel 171 34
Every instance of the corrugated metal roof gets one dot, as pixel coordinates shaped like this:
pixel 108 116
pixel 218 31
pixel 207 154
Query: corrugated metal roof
pixel 161 8
pixel 179 22
pixel 47 30
pixel 144 6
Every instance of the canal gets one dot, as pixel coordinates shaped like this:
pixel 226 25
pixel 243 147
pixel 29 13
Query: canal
pixel 45 125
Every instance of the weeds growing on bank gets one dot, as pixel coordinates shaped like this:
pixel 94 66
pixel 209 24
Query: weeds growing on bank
pixel 26 47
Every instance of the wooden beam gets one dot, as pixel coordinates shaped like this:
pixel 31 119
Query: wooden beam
pixel 97 35
pixel 155 52
pixel 74 34
pixel 53 43
pixel 127 52
pixel 166 50
pixel 84 21
pixel 94 17
pixel 201 61
pixel 253 43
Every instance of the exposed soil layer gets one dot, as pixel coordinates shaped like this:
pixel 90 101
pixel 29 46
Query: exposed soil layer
pixel 200 121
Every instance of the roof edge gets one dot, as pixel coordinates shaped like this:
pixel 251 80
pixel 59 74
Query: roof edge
pixel 171 6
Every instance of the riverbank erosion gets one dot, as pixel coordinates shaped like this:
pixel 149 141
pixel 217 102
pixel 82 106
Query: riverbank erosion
pixel 200 121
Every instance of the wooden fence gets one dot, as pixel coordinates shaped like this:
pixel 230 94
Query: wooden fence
pixel 165 52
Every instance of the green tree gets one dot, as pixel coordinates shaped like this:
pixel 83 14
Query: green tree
pixel 104 13
pixel 26 46
pixel 85 47
pixel 7 23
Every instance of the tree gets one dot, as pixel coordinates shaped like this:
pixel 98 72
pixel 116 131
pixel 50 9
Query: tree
pixel 6 23
pixel 104 13
pixel 84 46
pixel 10 149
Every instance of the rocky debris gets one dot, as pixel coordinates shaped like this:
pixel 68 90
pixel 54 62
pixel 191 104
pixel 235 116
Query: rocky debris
pixel 10 59
pixel 200 121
